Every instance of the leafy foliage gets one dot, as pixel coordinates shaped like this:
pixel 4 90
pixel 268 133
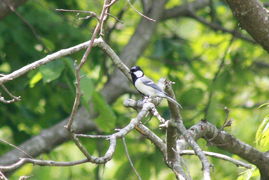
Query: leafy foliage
pixel 183 50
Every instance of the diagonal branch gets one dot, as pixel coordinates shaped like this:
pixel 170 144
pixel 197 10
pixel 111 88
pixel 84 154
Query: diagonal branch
pixel 216 27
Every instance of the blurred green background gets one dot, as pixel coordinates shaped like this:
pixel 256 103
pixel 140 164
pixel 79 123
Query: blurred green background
pixel 182 49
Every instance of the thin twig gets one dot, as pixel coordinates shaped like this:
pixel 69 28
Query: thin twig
pixel 220 67
pixel 98 29
pixel 32 29
pixel 22 161
pixel 16 147
pixel 14 98
pixel 92 14
pixel 218 27
pixel 219 156
pixel 141 14
pixel 2 176
pixel 117 19
pixel 3 100
pixel 129 158
pixel 76 11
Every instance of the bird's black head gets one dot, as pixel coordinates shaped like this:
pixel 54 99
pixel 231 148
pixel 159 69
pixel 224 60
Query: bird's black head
pixel 136 72
pixel 135 68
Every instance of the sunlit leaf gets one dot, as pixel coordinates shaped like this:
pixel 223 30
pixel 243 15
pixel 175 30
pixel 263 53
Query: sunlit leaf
pixel 263 105
pixel 35 79
pixel 248 174
pixel 262 135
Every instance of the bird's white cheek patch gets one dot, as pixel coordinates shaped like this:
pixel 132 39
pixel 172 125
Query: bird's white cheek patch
pixel 138 73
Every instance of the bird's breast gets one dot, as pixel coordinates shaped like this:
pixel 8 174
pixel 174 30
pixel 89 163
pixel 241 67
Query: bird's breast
pixel 144 89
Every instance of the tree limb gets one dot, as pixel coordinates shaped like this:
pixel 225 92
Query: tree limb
pixel 97 160
pixel 50 138
pixel 227 142
pixel 183 10
pixel 254 18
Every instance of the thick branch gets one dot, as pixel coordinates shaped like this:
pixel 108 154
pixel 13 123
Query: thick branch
pixel 227 142
pixel 178 122
pixel 172 135
pixel 183 10
pixel 254 18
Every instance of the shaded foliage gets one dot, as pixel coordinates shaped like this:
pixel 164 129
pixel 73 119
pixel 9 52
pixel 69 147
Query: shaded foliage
pixel 183 50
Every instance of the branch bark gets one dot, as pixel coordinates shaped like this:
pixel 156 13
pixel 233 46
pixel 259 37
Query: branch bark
pixel 52 137
pixel 183 10
pixel 227 142
pixel 254 18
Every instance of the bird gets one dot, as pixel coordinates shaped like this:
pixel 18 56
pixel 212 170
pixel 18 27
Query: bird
pixel 147 87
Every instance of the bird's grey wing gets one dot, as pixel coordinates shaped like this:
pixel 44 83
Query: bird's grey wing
pixel 150 83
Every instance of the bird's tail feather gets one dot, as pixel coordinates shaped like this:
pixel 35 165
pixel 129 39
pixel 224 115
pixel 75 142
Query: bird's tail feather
pixel 171 100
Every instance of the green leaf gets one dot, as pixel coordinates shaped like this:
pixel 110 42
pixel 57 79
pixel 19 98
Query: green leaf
pixel 263 105
pixel 249 174
pixel 35 79
pixel 106 119
pixel 192 96
pixel 52 70
pixel 262 135
pixel 49 44
pixel 86 88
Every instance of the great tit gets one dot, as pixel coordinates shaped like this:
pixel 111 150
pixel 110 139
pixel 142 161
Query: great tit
pixel 147 87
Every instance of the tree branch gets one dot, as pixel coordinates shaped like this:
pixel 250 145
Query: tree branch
pixel 227 142
pixel 177 122
pixel 172 135
pixel 217 27
pixel 253 17
pixel 50 138
pixel 219 156
pixel 183 10
pixel 97 160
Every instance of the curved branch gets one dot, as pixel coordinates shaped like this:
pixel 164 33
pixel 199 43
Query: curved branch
pixel 97 160
pixel 227 142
